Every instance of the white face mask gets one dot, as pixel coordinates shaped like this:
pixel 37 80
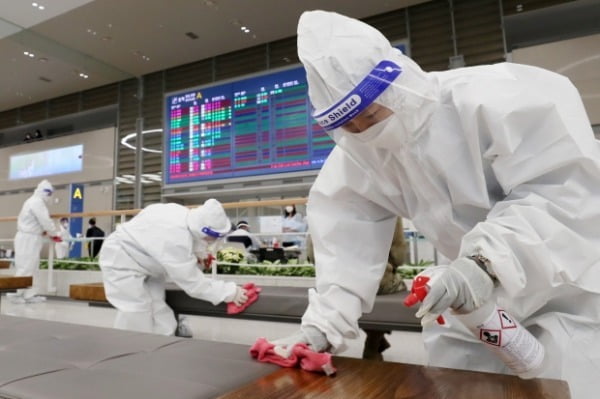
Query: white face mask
pixel 388 134
pixel 289 209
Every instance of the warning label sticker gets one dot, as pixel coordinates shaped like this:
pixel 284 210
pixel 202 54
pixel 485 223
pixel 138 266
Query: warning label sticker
pixel 491 337
pixel 506 321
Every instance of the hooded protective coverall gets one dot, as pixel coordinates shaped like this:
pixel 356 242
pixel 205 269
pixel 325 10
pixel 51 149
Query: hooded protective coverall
pixel 495 160
pixel 163 240
pixel 62 248
pixel 33 221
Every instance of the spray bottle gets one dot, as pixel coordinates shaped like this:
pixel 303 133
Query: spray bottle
pixel 497 330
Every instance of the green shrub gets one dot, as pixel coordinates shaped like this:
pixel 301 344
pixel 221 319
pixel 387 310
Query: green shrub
pixel 59 264
pixel 271 269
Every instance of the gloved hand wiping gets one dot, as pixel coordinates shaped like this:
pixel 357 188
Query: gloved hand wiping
pixel 309 335
pixel 240 297
pixel 462 286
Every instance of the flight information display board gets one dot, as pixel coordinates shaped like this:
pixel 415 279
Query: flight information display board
pixel 256 126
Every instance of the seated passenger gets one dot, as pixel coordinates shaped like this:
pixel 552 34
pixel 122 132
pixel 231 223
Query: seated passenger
pixel 242 234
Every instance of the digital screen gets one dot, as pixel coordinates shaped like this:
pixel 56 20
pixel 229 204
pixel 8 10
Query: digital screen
pixel 255 126
pixel 46 163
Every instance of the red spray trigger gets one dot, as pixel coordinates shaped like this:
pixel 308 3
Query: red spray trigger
pixel 418 292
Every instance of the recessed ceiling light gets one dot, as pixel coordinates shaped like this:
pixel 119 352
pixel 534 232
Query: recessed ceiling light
pixel 41 7
pixel 83 75
pixel 34 4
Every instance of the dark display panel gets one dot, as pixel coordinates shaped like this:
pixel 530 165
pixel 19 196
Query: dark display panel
pixel 250 127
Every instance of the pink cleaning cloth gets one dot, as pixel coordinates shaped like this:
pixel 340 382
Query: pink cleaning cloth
pixel 301 355
pixel 252 291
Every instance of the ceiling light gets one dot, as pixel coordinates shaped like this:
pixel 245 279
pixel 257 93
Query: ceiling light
pixel 34 4
pixel 26 52
pixel 243 28
pixel 125 141
pixel 83 75
pixel 41 7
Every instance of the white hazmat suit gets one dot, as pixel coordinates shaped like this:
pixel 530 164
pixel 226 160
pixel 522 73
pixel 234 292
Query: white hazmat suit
pixel 62 248
pixel 33 223
pixel 163 240
pixel 495 160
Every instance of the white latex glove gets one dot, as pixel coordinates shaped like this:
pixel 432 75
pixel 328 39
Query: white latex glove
pixel 240 297
pixel 308 335
pixel 462 286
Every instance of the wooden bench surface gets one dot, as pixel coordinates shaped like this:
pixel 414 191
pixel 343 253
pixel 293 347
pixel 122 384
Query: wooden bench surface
pixel 13 282
pixel 5 264
pixel 88 292
pixel 358 378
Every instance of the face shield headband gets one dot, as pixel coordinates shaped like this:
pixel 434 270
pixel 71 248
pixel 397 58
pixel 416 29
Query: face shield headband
pixel 363 95
pixel 211 233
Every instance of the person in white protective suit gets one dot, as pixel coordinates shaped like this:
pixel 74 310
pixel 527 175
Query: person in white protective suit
pixel 163 240
pixel 495 162
pixel 62 248
pixel 33 225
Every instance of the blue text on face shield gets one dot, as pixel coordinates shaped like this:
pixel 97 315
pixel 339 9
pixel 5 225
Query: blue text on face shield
pixel 363 95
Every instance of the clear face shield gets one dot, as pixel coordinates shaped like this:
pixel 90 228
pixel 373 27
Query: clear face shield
pixel 47 195
pixel 357 112
pixel 211 242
